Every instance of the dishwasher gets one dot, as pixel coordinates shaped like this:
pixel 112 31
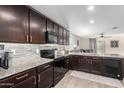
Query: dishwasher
pixel 111 67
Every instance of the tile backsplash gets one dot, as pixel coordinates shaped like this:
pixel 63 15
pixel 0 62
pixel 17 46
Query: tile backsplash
pixel 21 50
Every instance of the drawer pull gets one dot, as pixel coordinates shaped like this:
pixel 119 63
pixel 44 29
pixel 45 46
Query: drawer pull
pixel 46 66
pixel 22 76
pixel 34 80
pixel 38 77
pixel 31 38
pixel 27 38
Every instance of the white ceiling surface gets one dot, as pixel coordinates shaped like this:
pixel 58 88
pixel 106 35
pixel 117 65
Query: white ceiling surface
pixel 76 18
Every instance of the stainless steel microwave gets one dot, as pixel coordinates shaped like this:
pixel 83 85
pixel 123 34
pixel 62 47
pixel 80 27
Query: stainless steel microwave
pixel 51 38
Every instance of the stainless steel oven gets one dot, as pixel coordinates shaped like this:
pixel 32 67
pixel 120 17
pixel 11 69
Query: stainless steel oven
pixel 59 64
pixel 59 69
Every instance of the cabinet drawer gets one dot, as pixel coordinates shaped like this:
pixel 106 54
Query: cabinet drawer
pixel 24 75
pixel 28 83
pixel 12 80
pixel 45 66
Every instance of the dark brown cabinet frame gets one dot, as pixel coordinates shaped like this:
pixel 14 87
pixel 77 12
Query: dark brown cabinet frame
pixel 18 28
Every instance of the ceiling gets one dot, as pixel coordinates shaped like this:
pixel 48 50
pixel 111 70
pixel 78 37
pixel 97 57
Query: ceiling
pixel 76 18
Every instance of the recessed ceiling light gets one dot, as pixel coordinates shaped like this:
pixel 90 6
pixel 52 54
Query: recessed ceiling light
pixel 92 21
pixel 90 8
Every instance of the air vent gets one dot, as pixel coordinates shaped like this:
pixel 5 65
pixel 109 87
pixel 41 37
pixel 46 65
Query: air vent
pixel 114 27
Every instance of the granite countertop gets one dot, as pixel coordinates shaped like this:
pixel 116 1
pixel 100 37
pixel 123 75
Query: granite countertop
pixel 97 55
pixel 23 63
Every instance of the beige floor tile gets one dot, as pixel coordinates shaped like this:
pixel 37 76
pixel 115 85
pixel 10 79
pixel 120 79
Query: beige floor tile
pixel 71 81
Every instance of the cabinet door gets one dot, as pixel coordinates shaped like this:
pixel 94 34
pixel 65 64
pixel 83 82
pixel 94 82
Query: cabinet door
pixel 50 26
pixel 13 23
pixel 65 37
pixel 96 65
pixel 84 64
pixel 28 83
pixel 60 36
pixel 37 28
pixel 74 62
pixel 68 37
pixel 45 78
pixel 56 28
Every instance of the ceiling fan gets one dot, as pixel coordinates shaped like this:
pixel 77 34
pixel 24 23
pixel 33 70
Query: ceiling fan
pixel 102 35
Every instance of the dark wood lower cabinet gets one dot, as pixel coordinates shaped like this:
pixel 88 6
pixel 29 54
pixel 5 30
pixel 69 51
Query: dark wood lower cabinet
pixel 28 83
pixel 41 77
pixel 85 63
pixel 96 65
pixel 45 78
pixel 20 80
pixel 45 75
pixel 74 62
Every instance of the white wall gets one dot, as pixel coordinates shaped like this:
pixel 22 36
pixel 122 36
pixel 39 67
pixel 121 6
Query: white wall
pixel 120 49
pixel 73 39
pixel 84 43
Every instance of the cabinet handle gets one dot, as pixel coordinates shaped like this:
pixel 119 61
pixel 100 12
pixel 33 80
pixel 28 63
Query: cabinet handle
pixel 46 66
pixel 31 38
pixel 38 77
pixel 22 76
pixel 34 80
pixel 27 38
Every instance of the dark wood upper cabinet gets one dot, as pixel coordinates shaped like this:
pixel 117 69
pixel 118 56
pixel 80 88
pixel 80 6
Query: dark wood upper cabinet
pixel 13 23
pixel 56 29
pixel 63 36
pixel 21 24
pixel 37 28
pixel 60 36
pixel 67 37
pixel 50 26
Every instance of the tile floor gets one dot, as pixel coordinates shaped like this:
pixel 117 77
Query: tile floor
pixel 77 79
